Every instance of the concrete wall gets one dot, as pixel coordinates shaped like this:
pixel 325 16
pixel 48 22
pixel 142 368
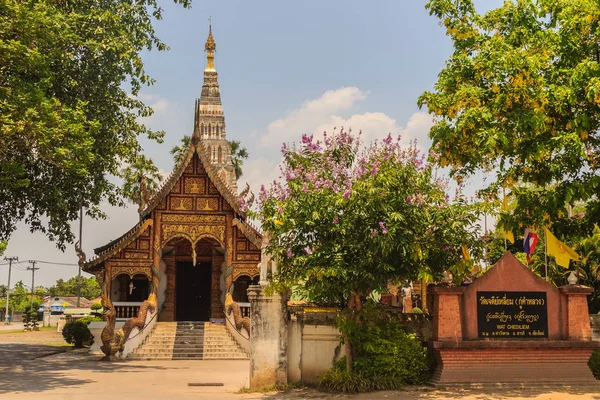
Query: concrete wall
pixel 312 349
pixel 269 337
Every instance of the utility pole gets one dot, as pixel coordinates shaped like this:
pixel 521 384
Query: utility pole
pixel 80 244
pixel 10 261
pixel 33 269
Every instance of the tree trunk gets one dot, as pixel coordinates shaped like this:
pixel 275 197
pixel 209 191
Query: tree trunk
pixel 349 358
pixel 354 306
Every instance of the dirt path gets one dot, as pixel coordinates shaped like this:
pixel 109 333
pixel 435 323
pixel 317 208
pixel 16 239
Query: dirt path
pixel 427 393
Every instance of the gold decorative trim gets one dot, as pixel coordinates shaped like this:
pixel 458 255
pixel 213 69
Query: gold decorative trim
pixel 131 271
pixel 194 219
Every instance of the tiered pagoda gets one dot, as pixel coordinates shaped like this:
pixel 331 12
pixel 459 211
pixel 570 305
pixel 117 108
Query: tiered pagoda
pixel 192 244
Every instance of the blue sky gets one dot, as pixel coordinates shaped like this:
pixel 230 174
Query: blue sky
pixel 285 68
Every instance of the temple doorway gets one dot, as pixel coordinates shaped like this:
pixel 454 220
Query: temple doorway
pixel 193 291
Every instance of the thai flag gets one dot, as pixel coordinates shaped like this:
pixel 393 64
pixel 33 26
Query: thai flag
pixel 531 240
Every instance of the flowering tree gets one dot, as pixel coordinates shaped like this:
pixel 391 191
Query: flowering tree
pixel 345 219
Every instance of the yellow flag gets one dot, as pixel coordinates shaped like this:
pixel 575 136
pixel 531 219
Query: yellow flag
pixel 508 235
pixel 559 250
pixel 465 251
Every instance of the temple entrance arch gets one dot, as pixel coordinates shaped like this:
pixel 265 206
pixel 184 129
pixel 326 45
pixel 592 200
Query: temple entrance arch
pixel 193 279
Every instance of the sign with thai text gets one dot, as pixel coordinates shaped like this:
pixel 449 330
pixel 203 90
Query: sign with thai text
pixel 512 315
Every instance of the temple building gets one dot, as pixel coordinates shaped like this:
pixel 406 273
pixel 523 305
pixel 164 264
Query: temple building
pixel 192 244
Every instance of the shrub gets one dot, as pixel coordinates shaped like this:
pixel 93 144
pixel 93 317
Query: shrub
pixel 385 356
pixel 77 333
pixel 96 307
pixel 338 380
pixel 594 363
pixel 390 350
pixel 417 310
pixel 90 318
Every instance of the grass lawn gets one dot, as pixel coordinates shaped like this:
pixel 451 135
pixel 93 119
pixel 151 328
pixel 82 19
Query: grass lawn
pixel 42 329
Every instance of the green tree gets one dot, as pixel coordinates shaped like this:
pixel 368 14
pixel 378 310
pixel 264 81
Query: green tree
pixel 141 180
pixel 347 220
pixel 90 289
pixel 179 151
pixel 520 98
pixel 238 155
pixel 70 75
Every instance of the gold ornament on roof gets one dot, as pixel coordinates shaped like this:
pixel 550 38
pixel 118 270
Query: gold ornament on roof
pixel 210 48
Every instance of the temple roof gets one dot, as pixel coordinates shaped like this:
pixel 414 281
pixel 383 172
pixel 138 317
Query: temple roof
pixel 112 248
pixel 195 146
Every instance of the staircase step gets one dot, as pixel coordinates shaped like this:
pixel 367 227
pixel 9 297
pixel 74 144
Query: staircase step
pixel 189 341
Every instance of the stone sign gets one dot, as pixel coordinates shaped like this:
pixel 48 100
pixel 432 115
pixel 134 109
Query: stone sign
pixel 512 315
pixel 511 326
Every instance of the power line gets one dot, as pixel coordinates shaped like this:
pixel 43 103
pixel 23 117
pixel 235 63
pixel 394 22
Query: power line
pixel 56 263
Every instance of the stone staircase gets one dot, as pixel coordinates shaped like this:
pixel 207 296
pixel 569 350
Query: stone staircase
pixel 189 341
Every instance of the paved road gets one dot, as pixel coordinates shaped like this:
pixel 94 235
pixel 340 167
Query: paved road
pixel 73 377
pixel 27 372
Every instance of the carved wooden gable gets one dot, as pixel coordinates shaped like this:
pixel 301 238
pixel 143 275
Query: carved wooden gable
pixel 246 256
pixel 134 255
pixel 193 209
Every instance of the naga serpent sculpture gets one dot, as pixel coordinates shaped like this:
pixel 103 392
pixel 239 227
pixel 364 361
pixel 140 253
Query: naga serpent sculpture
pixel 114 342
pixel 110 316
pixel 239 321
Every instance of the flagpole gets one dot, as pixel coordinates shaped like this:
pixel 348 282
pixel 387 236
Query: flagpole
pixel 503 228
pixel 546 253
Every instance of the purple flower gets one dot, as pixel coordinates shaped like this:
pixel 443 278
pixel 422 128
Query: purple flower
pixel 336 220
pixel 280 210
pixel 383 227
pixel 347 193
pixel 373 233
pixel 308 251
pixel 288 252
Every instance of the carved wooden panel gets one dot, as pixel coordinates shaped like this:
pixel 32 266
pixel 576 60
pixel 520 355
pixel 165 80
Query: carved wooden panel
pixel 131 271
pixel 247 257
pixel 241 245
pixel 207 204
pixel 193 232
pixel 144 244
pixel 181 203
pixel 162 205
pixel 195 186
pixel 177 187
pixel 129 255
pixel 212 189
pixel 199 168
pixel 193 219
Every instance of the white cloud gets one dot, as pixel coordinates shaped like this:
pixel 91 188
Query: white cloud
pixel 310 115
pixel 324 114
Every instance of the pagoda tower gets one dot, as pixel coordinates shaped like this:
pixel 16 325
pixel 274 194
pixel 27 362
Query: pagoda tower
pixel 209 126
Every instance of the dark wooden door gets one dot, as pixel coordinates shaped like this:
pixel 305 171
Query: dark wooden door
pixel 193 291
